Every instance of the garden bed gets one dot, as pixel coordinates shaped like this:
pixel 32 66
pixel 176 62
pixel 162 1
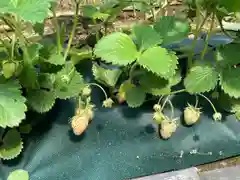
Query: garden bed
pixel 118 103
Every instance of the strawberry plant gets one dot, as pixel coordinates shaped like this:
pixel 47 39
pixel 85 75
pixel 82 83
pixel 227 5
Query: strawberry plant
pixel 150 68
pixel 33 74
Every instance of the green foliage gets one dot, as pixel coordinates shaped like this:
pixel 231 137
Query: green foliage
pixel 229 81
pixel 93 12
pixel 227 55
pixel 12 104
pixel 171 29
pixel 12 145
pixel 106 76
pixel 159 61
pixel 68 82
pixel 135 97
pixel 56 59
pixel 146 36
pixel 29 10
pixel 41 100
pixel 201 78
pixel 116 48
pixel 18 174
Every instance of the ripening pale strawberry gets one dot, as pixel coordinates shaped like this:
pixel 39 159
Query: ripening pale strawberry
pixel 79 124
pixel 191 115
pixel 168 127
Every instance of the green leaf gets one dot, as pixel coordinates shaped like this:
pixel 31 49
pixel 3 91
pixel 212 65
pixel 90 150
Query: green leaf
pixel 171 29
pixel 68 82
pixel 159 61
pixel 77 55
pixel 146 36
pixel 228 103
pixel 106 76
pixel 135 97
pixel 229 81
pixel 25 128
pixel 41 101
pixel 28 77
pixel 12 104
pixel 39 28
pixel 93 12
pixel 116 48
pixel 237 114
pixel 157 86
pixel 18 174
pixel 46 80
pixel 29 10
pixel 201 78
pixel 12 145
pixel 228 55
pixel 56 59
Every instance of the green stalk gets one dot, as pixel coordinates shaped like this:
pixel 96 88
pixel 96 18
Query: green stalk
pixel 210 102
pixel 208 36
pixel 58 36
pixel 132 70
pixel 196 34
pixel 104 92
pixel 73 30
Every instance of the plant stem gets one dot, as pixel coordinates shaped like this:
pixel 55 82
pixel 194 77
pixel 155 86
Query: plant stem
pixel 95 84
pixel 132 70
pixel 196 34
pixel 178 91
pixel 208 36
pixel 59 45
pixel 214 109
pixel 172 108
pixel 13 47
pixel 73 30
pixel 196 104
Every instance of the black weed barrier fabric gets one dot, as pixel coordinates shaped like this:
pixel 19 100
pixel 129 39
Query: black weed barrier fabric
pixel 121 143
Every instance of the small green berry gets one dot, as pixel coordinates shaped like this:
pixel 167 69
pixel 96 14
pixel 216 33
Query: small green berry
pixel 157 107
pixel 217 116
pixel 108 103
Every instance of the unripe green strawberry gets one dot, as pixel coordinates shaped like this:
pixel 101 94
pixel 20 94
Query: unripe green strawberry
pixel 158 117
pixel 191 115
pixel 168 127
pixel 217 116
pixel 8 69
